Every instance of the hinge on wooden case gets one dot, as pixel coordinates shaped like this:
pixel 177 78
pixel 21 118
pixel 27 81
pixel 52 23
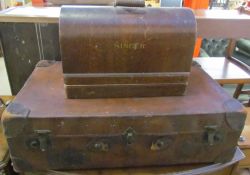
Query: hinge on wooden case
pixel 212 135
pixel 41 140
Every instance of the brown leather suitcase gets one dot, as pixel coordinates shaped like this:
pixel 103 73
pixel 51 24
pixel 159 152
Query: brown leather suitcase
pixel 126 51
pixel 45 130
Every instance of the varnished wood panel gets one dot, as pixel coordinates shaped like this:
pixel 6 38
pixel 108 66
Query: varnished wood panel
pixel 21 52
pixel 223 70
pixel 24 44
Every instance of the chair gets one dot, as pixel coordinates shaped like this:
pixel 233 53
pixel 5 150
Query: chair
pixel 241 54
pixel 219 60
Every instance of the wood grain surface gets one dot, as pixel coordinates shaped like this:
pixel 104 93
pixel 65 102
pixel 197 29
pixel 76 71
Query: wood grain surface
pixel 223 70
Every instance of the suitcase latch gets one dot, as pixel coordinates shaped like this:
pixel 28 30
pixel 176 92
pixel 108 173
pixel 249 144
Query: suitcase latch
pixel 160 144
pixel 212 134
pixel 41 140
pixel 129 136
pixel 99 146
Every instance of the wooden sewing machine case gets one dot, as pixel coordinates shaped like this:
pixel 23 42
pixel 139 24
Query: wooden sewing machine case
pixel 126 51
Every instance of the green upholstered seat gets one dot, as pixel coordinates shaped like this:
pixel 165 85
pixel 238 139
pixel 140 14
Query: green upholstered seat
pixel 217 48
pixel 242 51
pixel 214 47
pixel 244 45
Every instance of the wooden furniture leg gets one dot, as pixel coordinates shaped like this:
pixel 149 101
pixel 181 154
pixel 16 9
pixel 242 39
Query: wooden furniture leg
pixel 238 90
pixel 230 48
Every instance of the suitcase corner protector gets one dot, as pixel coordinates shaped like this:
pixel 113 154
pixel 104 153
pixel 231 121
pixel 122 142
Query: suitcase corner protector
pixel 236 120
pixel 235 115
pixel 11 119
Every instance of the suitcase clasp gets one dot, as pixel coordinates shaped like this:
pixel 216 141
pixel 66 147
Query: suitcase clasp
pixel 99 146
pixel 212 134
pixel 42 140
pixel 129 136
pixel 160 144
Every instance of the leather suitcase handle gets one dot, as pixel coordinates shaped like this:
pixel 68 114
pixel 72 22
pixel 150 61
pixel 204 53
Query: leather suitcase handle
pixel 130 3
